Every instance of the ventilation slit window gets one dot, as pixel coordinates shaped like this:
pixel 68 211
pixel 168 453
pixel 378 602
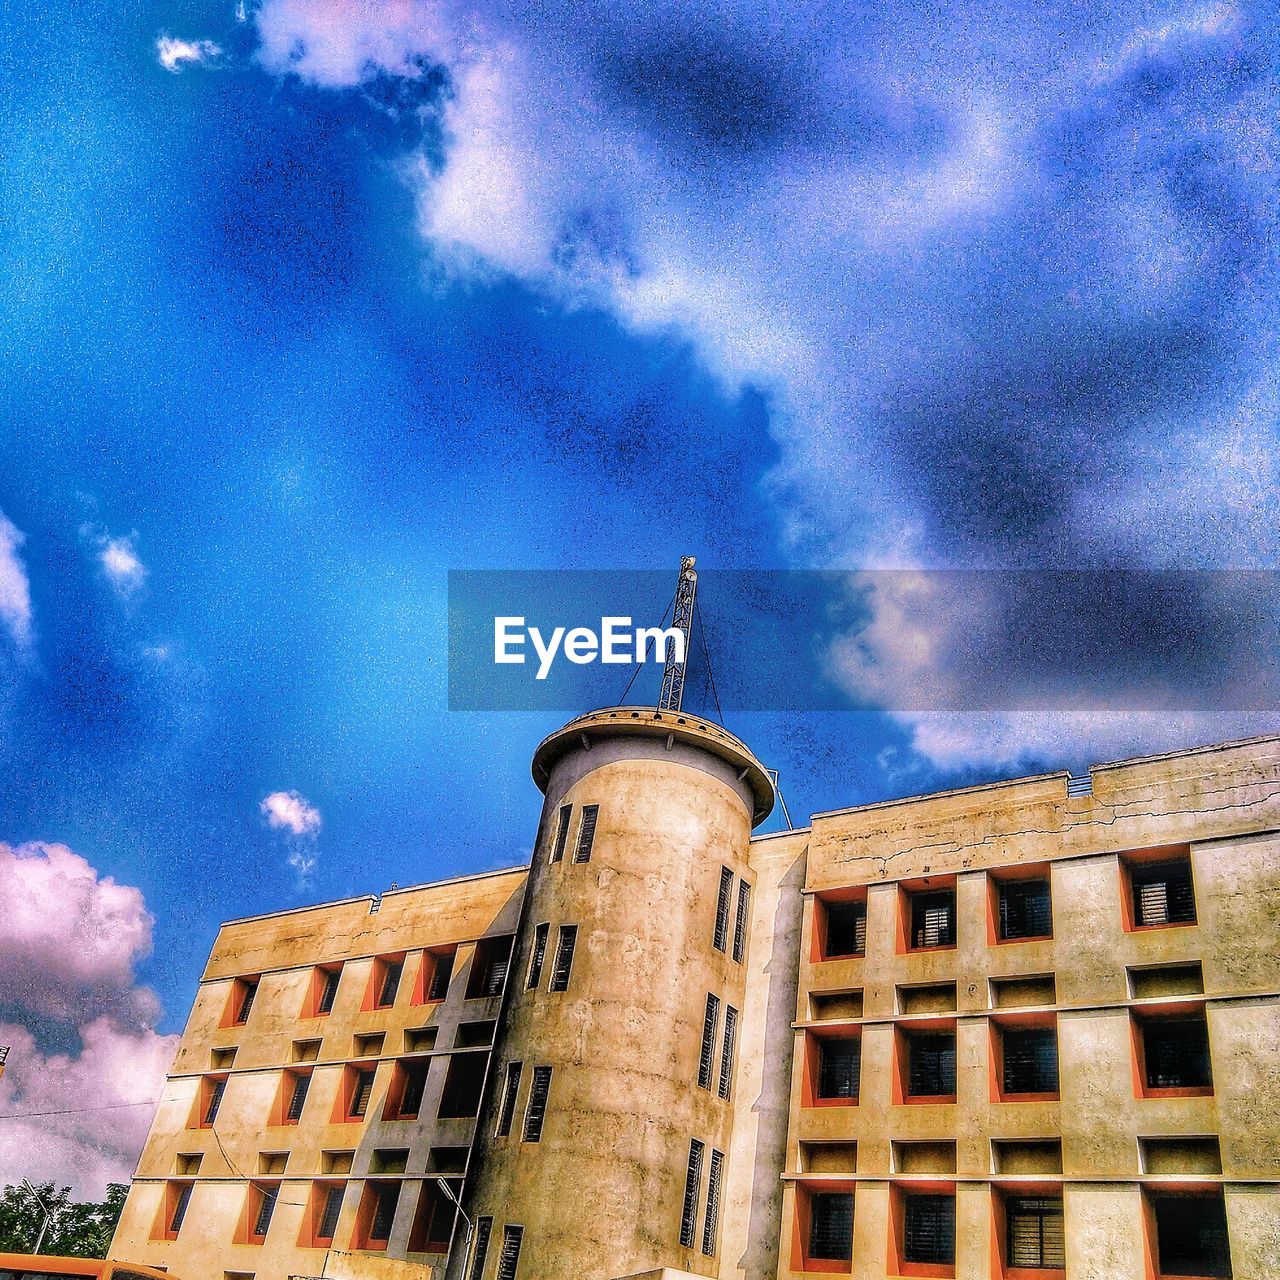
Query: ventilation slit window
pixel 301 1083
pixel 509 1258
pixel 586 833
pixel 329 1215
pixel 266 1207
pixel 362 1087
pixel 692 1182
pixel 180 1209
pixel 510 1091
pixel 536 1112
pixel 711 1223
pixel 391 972
pixel 720 937
pixel 484 1229
pixel 727 1046
pixel 705 1059
pixel 562 833
pixel 740 921
pixel 563 965
pixel 216 1090
pixel 537 956
pixel 328 990
pixel 441 974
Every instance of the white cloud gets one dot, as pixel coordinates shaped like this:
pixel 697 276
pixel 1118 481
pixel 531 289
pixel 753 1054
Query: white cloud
pixel 68 951
pixel 117 558
pixel 15 589
pixel 299 821
pixel 172 53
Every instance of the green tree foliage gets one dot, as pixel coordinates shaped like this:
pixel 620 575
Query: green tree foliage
pixel 76 1230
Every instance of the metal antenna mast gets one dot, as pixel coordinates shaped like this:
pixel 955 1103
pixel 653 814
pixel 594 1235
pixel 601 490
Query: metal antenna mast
pixel 673 672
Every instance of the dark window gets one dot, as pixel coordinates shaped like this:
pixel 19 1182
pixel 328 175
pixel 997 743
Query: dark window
pixel 538 955
pixel 831 1225
pixel 711 1223
pixel 434 1228
pixel 415 1085
pixel 1191 1235
pixel 839 1065
pixel 586 833
pixel 248 989
pixel 721 935
pixel 297 1098
pixel 387 1196
pixel 266 1207
pixel 933 919
pixel 391 971
pixel 563 965
pixel 846 929
pixel 1162 893
pixel 931 1064
pixel 510 1090
pixel 1030 1060
pixel 361 1088
pixel 463 1083
pixel 1033 1232
pixel 484 1229
pixel 1176 1053
pixel 929 1229
pixel 536 1112
pixel 180 1208
pixel 441 973
pixel 489 967
pixel 1026 909
pixel 329 1214
pixel 216 1090
pixel 692 1183
pixel 727 1045
pixel 706 1057
pixel 509 1258
pixel 740 921
pixel 562 833
pixel 328 990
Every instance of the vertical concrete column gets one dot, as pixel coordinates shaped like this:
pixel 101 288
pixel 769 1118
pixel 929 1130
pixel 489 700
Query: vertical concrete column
pixel 601 1191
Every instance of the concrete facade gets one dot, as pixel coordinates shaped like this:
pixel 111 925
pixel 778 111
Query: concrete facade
pixel 1011 1032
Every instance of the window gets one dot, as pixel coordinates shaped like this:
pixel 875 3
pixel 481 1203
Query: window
pixel 740 921
pixel 1191 1234
pixel 1175 1052
pixel 240 1002
pixel 510 1091
pixel 1025 909
pixel 839 1066
pixel 436 986
pixel 484 1229
pixel 181 1200
pixel 432 1221
pixel 326 989
pixel 831 1226
pixel 727 1045
pixel 931 1064
pixel 537 955
pixel 706 1057
pixel 721 935
pixel 536 1111
pixel 489 967
pixel 1162 893
pixel 262 1204
pixel 846 933
pixel 586 833
pixel 933 920
pixel 377 1214
pixel 1033 1233
pixel 562 833
pixel 296 1085
pixel 711 1223
pixel 213 1087
pixel 563 965
pixel 329 1207
pixel 929 1229
pixel 391 971
pixel 509 1258
pixel 692 1183
pixel 408 1084
pixel 1029 1060
pixel 463 1083
pixel 358 1083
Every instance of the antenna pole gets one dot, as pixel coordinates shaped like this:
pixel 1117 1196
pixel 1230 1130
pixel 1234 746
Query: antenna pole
pixel 673 673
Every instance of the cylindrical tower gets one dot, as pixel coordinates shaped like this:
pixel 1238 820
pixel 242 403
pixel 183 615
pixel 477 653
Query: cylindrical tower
pixel 614 1074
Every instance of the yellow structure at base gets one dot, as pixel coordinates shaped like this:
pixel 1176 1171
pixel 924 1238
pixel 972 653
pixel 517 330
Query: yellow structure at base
pixel 642 858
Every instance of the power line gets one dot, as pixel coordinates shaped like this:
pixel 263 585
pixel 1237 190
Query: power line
pixel 77 1111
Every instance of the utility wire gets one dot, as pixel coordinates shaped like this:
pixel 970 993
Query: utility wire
pixel 706 657
pixel 640 657
pixel 77 1111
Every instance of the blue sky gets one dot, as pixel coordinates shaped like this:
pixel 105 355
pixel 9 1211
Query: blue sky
pixel 306 306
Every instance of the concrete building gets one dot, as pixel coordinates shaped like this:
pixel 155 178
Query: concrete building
pixel 1010 1032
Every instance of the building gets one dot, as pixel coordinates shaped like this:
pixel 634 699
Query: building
pixel 1009 1032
